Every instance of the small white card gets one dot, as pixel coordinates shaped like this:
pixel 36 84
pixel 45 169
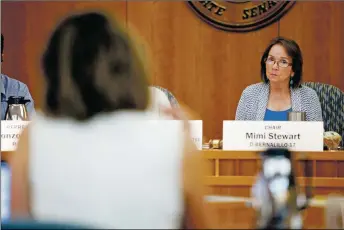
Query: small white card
pixel 261 135
pixel 10 133
pixel 196 131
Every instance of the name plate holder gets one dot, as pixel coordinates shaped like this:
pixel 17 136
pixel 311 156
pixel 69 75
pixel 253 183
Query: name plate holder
pixel 10 133
pixel 260 135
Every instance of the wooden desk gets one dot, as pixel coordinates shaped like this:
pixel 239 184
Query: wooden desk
pixel 232 173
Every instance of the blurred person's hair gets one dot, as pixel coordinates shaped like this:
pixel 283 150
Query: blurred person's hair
pixel 90 67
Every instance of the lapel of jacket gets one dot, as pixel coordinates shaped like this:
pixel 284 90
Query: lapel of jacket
pixel 296 100
pixel 263 98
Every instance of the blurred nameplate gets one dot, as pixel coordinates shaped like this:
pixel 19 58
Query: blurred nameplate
pixel 10 133
pixel 196 131
pixel 260 135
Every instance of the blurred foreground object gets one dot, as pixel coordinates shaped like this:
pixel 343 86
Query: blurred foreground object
pixel 275 194
pixel 332 140
pixel 5 192
pixel 334 211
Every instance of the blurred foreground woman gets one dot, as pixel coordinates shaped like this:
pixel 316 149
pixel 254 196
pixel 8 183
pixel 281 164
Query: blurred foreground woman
pixel 96 156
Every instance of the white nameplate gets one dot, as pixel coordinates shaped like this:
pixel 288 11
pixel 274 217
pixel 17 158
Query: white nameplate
pixel 196 131
pixel 260 135
pixel 10 133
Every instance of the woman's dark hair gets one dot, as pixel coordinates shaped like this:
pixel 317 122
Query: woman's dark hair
pixel 293 50
pixel 91 67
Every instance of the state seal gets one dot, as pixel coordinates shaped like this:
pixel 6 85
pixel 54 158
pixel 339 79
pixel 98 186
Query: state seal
pixel 240 16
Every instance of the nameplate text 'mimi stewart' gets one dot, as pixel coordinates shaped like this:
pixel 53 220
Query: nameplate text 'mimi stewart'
pixel 240 16
pixel 302 136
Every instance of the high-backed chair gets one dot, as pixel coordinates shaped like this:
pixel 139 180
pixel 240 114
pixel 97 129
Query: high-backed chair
pixel 332 105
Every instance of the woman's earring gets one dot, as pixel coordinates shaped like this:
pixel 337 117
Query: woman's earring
pixel 291 81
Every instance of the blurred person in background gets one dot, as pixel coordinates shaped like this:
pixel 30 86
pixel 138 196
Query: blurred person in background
pixel 162 99
pixel 11 87
pixel 281 90
pixel 96 155
pixel 158 100
pixel 171 98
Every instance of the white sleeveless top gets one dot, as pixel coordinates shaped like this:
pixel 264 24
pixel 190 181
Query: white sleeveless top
pixel 119 170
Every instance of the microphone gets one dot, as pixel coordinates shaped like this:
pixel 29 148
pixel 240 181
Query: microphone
pixel 275 194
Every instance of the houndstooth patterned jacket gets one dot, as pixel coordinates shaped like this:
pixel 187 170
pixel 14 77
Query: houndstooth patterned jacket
pixel 254 101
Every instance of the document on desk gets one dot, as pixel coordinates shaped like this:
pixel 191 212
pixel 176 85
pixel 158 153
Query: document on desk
pixel 260 135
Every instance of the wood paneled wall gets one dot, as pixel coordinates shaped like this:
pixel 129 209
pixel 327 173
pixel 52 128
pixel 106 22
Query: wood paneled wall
pixel 204 67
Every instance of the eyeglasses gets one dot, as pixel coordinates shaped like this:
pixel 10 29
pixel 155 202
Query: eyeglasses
pixel 281 63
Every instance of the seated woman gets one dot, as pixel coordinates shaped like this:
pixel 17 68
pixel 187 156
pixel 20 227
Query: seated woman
pixel 281 90
pixel 96 157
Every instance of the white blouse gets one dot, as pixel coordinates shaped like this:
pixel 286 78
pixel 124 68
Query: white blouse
pixel 119 170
